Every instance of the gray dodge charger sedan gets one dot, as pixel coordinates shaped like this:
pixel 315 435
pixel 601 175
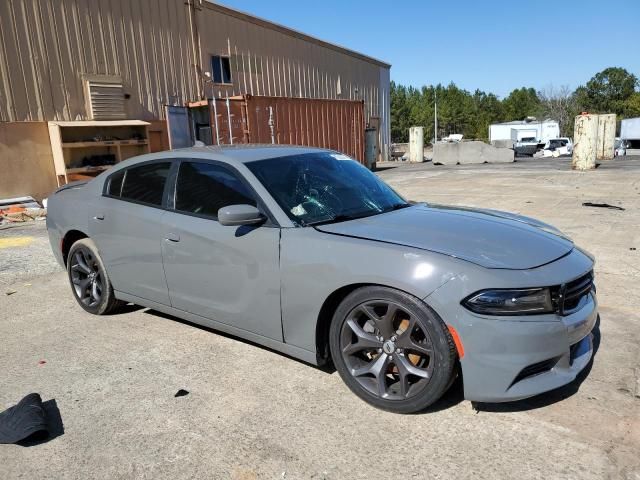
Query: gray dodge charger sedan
pixel 305 251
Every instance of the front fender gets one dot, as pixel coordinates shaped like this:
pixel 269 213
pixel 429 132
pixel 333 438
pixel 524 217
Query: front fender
pixel 314 264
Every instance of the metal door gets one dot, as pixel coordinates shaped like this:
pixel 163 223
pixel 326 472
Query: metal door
pixel 370 147
pixel 178 126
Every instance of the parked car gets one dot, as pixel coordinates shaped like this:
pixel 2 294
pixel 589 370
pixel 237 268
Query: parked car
pixel 307 252
pixel 563 145
pixel 620 147
pixel 528 146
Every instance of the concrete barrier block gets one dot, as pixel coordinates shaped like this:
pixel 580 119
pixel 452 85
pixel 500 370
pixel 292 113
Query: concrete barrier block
pixel 467 153
pixel 472 153
pixel 500 155
pixel 502 143
pixel 446 153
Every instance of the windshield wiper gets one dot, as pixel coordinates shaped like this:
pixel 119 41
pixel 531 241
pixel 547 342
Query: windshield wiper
pixel 397 206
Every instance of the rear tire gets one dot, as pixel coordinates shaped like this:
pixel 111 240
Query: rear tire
pixel 89 280
pixel 391 349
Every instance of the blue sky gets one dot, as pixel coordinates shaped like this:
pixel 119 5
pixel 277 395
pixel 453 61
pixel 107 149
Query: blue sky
pixel 492 45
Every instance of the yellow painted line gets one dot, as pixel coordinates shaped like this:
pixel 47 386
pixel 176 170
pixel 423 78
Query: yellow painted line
pixel 15 242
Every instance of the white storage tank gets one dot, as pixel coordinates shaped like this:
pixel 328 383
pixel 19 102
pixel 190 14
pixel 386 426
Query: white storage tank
pixel 416 144
pixel 606 136
pixel 585 143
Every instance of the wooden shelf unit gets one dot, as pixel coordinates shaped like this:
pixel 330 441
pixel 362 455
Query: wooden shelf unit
pixel 73 142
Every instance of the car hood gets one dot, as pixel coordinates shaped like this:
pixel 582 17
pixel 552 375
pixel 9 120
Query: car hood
pixel 489 238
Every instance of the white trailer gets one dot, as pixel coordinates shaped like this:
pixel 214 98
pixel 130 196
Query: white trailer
pixel 630 129
pixel 630 136
pixel 544 130
pixel 520 134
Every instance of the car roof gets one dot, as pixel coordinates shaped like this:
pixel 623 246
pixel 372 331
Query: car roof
pixel 231 154
pixel 244 153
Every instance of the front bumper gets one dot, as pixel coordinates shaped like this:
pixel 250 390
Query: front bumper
pixel 511 358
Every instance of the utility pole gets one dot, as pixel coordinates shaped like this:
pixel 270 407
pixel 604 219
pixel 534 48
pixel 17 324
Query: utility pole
pixel 435 117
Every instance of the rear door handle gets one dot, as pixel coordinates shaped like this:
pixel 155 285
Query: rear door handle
pixel 99 216
pixel 173 237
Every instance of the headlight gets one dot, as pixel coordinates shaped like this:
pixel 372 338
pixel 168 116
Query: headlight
pixel 529 301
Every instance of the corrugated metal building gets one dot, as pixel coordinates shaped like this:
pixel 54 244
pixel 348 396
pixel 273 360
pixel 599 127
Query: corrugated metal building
pixel 73 60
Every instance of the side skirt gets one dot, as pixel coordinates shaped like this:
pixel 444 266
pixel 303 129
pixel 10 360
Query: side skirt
pixel 297 352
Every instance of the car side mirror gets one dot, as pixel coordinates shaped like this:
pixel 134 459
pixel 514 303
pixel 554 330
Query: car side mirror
pixel 238 215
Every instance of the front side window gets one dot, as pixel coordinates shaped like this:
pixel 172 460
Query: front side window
pixel 204 188
pixel 220 69
pixel 144 183
pixel 324 187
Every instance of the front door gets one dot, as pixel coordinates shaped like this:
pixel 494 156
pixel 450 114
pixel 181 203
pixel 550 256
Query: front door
pixel 227 274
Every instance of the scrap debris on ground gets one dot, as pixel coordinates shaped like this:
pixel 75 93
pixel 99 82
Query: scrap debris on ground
pixel 27 422
pixel 602 205
pixel 20 209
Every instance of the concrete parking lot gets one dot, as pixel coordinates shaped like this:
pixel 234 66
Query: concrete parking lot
pixel 253 413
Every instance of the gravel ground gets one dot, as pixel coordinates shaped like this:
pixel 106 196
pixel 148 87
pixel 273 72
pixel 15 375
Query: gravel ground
pixel 25 253
pixel 253 413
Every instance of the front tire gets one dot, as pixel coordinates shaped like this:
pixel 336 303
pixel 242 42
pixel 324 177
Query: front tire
pixel 391 349
pixel 89 281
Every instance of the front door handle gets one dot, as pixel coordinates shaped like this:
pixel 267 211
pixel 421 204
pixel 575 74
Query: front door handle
pixel 173 237
pixel 99 216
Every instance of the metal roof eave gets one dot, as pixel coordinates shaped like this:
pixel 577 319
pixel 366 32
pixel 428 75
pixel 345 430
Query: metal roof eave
pixel 289 31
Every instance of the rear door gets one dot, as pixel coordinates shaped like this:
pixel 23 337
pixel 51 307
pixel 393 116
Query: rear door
pixel 226 274
pixel 126 225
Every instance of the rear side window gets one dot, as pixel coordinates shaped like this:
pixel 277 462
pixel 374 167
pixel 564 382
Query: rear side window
pixel 204 188
pixel 143 184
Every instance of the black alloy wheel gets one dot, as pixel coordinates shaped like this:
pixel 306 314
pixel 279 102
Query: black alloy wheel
pixel 89 280
pixel 391 349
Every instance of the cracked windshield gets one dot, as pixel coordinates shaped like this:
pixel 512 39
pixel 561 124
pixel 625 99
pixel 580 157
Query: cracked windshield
pixel 325 187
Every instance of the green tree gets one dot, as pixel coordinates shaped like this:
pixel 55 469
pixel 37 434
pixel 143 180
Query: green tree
pixel 487 109
pixel 455 110
pixel 632 105
pixel 400 121
pixel 521 103
pixel 608 91
pixel 612 91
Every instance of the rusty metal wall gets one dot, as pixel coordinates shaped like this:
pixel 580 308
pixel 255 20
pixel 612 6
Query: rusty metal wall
pixel 335 124
pixel 48 46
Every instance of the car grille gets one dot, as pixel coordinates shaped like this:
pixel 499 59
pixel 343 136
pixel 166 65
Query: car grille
pixel 568 296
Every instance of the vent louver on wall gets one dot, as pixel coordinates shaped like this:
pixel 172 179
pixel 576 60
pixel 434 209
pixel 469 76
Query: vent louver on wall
pixel 106 100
